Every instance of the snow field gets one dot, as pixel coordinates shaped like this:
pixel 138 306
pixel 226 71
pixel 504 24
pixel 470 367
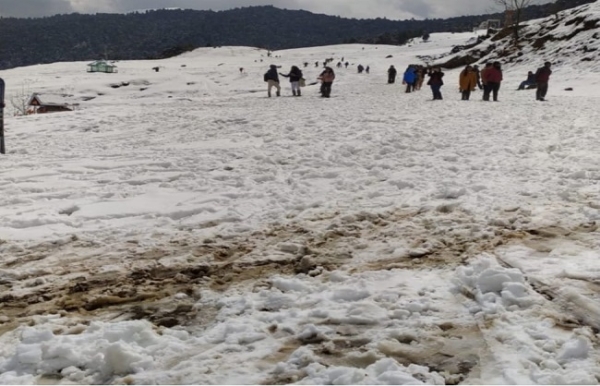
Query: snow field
pixel 186 229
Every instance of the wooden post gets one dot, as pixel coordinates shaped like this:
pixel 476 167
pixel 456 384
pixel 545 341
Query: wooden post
pixel 2 148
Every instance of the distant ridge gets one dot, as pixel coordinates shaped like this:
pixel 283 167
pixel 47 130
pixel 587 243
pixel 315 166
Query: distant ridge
pixel 163 33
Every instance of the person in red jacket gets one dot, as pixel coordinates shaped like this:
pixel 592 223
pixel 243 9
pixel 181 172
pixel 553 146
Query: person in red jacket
pixel 493 79
pixel 542 76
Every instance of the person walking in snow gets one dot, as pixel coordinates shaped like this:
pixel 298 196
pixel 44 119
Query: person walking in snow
pixel 360 68
pixel 392 73
pixel 327 77
pixel 410 77
pixel 542 76
pixel 484 75
pixel 368 69
pixel 494 79
pixel 295 75
pixel 346 64
pixel 420 77
pixel 272 79
pixel 467 82
pixel 436 82
pixel 478 75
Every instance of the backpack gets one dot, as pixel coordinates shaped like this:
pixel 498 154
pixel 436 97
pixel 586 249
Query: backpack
pixel 266 77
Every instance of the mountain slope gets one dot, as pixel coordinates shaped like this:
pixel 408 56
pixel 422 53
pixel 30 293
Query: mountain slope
pixel 572 38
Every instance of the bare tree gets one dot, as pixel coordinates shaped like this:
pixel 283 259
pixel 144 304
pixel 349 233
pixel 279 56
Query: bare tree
pixel 516 7
pixel 19 99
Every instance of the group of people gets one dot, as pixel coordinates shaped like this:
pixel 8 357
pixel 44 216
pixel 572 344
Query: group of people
pixel 489 80
pixel 297 81
pixel 413 77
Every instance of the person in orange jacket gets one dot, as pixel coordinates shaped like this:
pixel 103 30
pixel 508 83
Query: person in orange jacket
pixel 467 82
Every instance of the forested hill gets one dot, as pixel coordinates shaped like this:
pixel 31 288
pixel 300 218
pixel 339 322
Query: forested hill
pixel 162 33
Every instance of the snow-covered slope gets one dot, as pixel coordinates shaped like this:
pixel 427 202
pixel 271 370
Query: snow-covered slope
pixel 570 40
pixel 181 227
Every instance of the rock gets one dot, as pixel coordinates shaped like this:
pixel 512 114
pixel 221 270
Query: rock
pixel 418 252
pixel 306 265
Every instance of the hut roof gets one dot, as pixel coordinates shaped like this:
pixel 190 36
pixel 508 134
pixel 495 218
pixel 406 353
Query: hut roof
pixel 49 100
pixel 104 62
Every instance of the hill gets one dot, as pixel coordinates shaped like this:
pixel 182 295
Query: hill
pixel 164 33
pixel 570 37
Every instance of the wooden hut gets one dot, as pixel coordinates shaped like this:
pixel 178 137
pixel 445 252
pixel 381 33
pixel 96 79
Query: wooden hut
pixel 42 104
pixel 102 66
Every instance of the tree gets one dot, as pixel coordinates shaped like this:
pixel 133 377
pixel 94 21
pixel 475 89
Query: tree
pixel 515 7
pixel 19 99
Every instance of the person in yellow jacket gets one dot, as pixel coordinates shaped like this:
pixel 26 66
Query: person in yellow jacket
pixel 467 82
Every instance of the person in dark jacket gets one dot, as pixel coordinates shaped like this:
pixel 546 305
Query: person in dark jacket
pixel 436 82
pixel 327 77
pixel 478 75
pixel 360 68
pixel 392 73
pixel 542 77
pixel 368 69
pixel 484 82
pixel 272 79
pixel 410 78
pixel 493 79
pixel 295 75
pixel 529 82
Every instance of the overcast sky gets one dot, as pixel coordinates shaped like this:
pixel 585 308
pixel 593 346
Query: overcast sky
pixel 392 9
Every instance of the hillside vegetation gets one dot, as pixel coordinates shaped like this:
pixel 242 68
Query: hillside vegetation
pixel 165 33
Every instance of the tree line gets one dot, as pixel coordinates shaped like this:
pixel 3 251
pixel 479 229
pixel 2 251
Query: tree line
pixel 165 33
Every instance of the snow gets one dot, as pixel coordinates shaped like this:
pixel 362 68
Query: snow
pixel 184 228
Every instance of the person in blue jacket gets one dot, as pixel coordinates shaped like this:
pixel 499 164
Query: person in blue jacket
pixel 410 77
pixel 531 81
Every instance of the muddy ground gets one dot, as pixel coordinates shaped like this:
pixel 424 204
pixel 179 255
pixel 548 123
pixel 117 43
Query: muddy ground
pixel 87 281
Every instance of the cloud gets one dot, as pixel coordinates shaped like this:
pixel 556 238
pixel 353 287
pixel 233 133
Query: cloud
pixel 34 8
pixel 392 9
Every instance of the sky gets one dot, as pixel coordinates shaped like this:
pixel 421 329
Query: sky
pixel 392 9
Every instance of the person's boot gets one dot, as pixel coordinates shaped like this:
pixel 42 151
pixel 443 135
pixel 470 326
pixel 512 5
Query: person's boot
pixel 294 92
pixel 269 93
pixel 278 93
pixel 298 93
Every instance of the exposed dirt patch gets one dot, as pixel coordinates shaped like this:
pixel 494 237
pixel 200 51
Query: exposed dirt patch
pixel 184 265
